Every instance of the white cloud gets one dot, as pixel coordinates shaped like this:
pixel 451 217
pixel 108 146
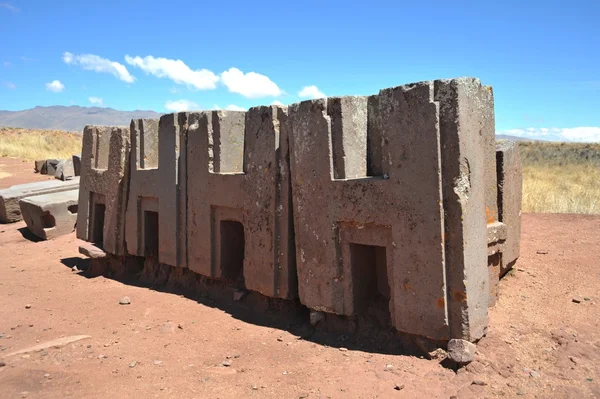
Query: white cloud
pixel 10 85
pixel 56 86
pixel 10 7
pixel 232 107
pixel 96 100
pixel 7 64
pixel 176 70
pixel 311 92
pixel 579 134
pixel 250 85
pixel 91 62
pixel 181 105
pixel 277 102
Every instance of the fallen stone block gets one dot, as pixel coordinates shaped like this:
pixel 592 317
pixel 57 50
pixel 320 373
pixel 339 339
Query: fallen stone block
pixel 64 170
pixel 91 251
pixel 10 197
pixel 51 165
pixel 40 167
pixel 51 215
pixel 461 351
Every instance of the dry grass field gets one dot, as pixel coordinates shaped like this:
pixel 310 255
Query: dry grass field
pixel 561 177
pixel 557 177
pixel 38 144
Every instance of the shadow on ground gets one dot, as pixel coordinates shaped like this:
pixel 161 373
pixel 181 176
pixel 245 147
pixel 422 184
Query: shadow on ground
pixel 369 333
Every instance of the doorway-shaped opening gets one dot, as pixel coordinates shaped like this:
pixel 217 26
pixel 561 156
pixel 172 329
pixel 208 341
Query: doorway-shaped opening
pixel 150 233
pixel 98 225
pixel 232 251
pixel 370 281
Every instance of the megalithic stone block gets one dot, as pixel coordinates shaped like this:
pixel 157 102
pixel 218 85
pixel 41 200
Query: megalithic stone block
pixel 103 188
pixel 64 169
pixel 465 109
pixel 77 164
pixel 155 218
pixel 367 192
pixel 389 203
pixel 510 198
pixel 239 220
pixel 9 198
pixel 40 167
pixel 51 165
pixel 51 215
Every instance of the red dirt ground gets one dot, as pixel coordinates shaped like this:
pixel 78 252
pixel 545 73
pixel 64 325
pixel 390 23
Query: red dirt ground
pixel 540 343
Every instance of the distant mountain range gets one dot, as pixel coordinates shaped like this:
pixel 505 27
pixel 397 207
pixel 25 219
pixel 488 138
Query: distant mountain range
pixel 73 118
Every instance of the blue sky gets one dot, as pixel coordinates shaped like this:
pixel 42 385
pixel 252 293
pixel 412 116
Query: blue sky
pixel 541 57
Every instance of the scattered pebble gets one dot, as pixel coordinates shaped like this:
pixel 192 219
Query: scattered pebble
pixel 576 300
pixel 48 376
pixel 541 252
pixel 254 387
pixel 2 364
pixel 587 298
pixel 399 387
pixel 226 363
pixel 157 362
pixel 285 372
pixel 28 306
pixel 279 339
pixel 124 301
pixel 101 356
pixel 343 349
pixel 389 367
pixel 132 364
pixel 479 382
pixel 534 374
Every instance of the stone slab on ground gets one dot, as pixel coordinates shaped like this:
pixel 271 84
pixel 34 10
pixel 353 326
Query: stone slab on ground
pixel 50 215
pixel 9 198
pixel 65 170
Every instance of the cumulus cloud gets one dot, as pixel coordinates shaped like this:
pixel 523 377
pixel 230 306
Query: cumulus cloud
pixel 277 102
pixel 9 7
pixel 181 105
pixel 55 86
pixel 91 62
pixel 579 134
pixel 176 70
pixel 96 100
pixel 311 92
pixel 250 85
pixel 7 64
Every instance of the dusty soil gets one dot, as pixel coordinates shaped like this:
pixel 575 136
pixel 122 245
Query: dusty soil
pixel 541 344
pixel 15 171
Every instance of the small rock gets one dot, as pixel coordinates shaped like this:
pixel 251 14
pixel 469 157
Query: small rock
pixel 28 306
pixel 573 359
pixel 124 301
pixel 285 372
pixel 25 356
pixel 541 252
pixel 24 394
pixel 101 356
pixel 226 363
pixel 303 395
pixel 238 295
pixel 479 382
pixel 461 351
pixel 2 364
pixel 47 376
pixel 316 317
pixel 399 387
pixel 254 387
pixel 157 362
pixel 279 339
pixel 587 298
pixel 534 374
pixel 343 349
pixel 132 364
pixel 576 300
pixel 388 367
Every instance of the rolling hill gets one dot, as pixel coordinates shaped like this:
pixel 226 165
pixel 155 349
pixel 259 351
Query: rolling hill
pixel 72 118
